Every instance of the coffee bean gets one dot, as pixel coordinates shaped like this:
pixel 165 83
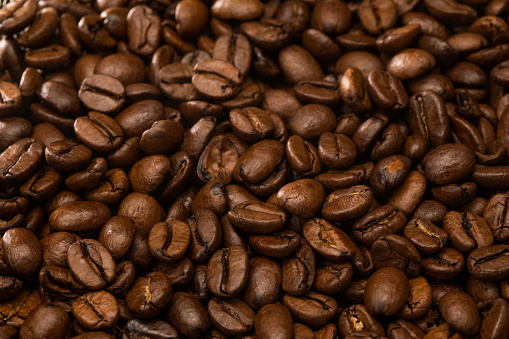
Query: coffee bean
pixel 20 160
pixel 454 161
pixel 217 79
pixel 299 271
pixel 347 204
pixel 302 197
pixel 22 252
pixel 91 263
pixel 80 216
pixel 263 282
pixel 274 321
pixel 142 327
pixel 387 281
pixel 187 315
pixel 460 312
pixel 312 308
pixel 96 310
pixel 143 30
pixel 487 263
pixel 149 295
pixel 231 316
pixel 54 318
pixel 227 272
pixel 378 222
pixel 328 240
pixel 102 93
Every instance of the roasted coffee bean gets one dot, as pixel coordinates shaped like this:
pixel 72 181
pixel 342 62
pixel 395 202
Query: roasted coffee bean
pixel 411 63
pixel 91 263
pixel 356 318
pixel 354 92
pixel 51 57
pixel 299 65
pixel 388 173
pixel 387 91
pixel 143 30
pixel 96 310
pixel 299 271
pixel 481 291
pixel 258 161
pixel 99 132
pixel 11 99
pixel 332 277
pixel 302 156
pixel 493 312
pixel 451 11
pixel 156 328
pixel 453 161
pixel 347 204
pixel 318 92
pixel 419 300
pixel 227 271
pixel 138 117
pixel 89 178
pixel 10 287
pixel 303 197
pixel 367 134
pixel 310 121
pixel 387 291
pixel 278 245
pixel 55 247
pixel 378 222
pixel 67 156
pixel 446 264
pixel 251 123
pixel 149 296
pixel 80 216
pixel 219 158
pixel 460 312
pixel 22 251
pixel 273 321
pixel 54 318
pixel 175 82
pixel 258 217
pixel 217 79
pixel 143 209
pixel 425 236
pixel 232 317
pixel 20 160
pixel 488 263
pixel 162 137
pixel 312 308
pixel 102 93
pixel 428 117
pixel 187 315
pixel 18 128
pixel 395 251
pixel 112 189
pixel 328 240
pixel 205 234
pixel 117 235
pixel 378 16
pixel 467 231
pixel 211 196
pixel 168 242
pixel 495 215
pixel 263 282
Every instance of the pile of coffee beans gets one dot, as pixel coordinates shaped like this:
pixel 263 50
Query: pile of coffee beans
pixel 254 169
